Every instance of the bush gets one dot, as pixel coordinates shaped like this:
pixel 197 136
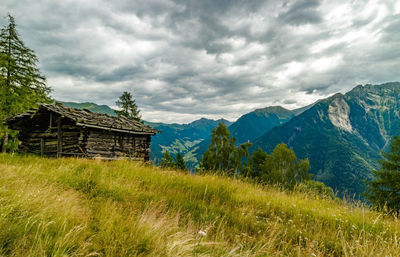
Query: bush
pixel 317 188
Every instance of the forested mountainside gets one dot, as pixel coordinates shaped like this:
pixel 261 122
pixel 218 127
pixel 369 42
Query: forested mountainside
pixel 179 138
pixel 91 107
pixel 247 128
pixel 342 135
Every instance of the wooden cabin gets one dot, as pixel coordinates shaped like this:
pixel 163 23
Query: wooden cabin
pixel 56 130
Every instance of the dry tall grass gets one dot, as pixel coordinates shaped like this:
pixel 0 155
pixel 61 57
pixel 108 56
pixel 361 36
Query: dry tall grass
pixel 78 207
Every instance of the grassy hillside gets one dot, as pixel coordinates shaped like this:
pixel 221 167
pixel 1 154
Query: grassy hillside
pixel 78 207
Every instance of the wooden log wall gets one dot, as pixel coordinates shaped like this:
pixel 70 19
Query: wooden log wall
pixel 44 140
pixel 46 143
pixel 49 134
pixel 116 145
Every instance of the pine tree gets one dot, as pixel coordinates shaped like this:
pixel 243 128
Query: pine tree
pixel 128 107
pixel 166 160
pixel 384 190
pixel 180 162
pixel 21 84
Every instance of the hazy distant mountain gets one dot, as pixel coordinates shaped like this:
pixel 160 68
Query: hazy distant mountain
pixel 91 107
pixel 249 127
pixel 179 138
pixel 256 123
pixel 343 134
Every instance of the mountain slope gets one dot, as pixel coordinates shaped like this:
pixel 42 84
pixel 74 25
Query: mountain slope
pixel 179 138
pixel 342 135
pixel 249 127
pixel 91 107
pixel 256 123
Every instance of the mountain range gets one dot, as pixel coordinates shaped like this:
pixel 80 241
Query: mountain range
pixel 247 128
pixel 341 135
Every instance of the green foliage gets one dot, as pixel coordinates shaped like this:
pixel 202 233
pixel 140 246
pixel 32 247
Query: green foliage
pixel 254 167
pixel 128 107
pixel 22 85
pixel 317 188
pixel 166 161
pixel 384 190
pixel 283 167
pixel 222 156
pixel 180 162
pixel 280 167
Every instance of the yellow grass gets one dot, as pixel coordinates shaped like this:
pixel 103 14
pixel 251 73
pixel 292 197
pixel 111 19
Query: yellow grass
pixel 78 207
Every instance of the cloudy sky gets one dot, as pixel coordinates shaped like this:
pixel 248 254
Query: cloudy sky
pixel 186 59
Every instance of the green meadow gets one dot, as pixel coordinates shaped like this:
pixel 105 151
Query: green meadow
pixel 80 207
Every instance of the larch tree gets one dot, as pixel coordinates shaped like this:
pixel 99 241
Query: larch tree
pixel 129 108
pixel 180 162
pixel 384 190
pixel 167 161
pixel 22 85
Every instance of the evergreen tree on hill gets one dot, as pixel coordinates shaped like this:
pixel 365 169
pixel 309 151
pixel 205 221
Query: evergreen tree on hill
pixel 254 166
pixel 180 162
pixel 128 107
pixel 384 190
pixel 167 161
pixel 22 85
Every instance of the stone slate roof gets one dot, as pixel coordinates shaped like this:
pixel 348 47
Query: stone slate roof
pixel 86 118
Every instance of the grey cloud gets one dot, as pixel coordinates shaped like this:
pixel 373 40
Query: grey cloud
pixel 190 58
pixel 301 12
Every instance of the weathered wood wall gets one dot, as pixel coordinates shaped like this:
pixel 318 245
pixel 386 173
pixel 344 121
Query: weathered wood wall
pixel 43 136
pixel 116 145
pixel 48 134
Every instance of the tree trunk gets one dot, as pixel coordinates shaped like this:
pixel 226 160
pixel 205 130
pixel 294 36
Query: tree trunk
pixel 5 140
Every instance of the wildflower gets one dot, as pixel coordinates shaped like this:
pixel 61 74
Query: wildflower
pixel 202 233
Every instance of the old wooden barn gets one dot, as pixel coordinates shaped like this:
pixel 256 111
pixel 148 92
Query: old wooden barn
pixel 56 130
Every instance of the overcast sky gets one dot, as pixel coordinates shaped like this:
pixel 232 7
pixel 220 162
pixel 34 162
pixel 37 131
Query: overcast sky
pixel 183 60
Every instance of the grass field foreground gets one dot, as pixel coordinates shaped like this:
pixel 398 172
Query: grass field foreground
pixel 79 207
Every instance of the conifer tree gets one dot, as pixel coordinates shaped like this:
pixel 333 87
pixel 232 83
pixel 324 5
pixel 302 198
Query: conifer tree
pixel 22 85
pixel 166 160
pixel 254 167
pixel 384 190
pixel 180 162
pixel 128 107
